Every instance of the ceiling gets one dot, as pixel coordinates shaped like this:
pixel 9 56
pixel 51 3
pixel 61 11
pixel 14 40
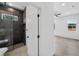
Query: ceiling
pixel 66 7
pixel 19 5
pixel 62 7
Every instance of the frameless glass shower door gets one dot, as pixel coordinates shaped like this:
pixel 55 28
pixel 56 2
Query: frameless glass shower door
pixel 6 30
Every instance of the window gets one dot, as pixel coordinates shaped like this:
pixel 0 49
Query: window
pixel 72 25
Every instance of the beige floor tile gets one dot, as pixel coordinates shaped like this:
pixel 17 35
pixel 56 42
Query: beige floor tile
pixel 21 51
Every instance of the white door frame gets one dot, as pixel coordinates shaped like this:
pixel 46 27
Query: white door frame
pixel 37 29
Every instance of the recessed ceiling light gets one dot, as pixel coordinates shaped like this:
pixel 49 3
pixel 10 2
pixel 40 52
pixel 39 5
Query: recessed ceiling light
pixel 63 4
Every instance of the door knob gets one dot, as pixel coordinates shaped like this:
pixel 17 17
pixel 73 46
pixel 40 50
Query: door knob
pixel 27 36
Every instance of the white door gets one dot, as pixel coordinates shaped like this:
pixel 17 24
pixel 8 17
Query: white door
pixel 32 30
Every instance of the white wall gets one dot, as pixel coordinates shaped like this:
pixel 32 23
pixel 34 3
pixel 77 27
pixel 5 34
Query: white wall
pixel 61 27
pixel 46 28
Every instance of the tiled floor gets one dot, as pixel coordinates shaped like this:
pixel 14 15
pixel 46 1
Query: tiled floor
pixel 20 51
pixel 66 46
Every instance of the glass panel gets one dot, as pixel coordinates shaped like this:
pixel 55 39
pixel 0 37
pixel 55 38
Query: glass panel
pixel 9 17
pixel 6 31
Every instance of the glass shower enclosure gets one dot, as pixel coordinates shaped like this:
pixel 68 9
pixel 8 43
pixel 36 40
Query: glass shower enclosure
pixel 6 29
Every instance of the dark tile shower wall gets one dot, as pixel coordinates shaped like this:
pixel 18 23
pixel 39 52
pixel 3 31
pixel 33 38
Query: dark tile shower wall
pixel 12 30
